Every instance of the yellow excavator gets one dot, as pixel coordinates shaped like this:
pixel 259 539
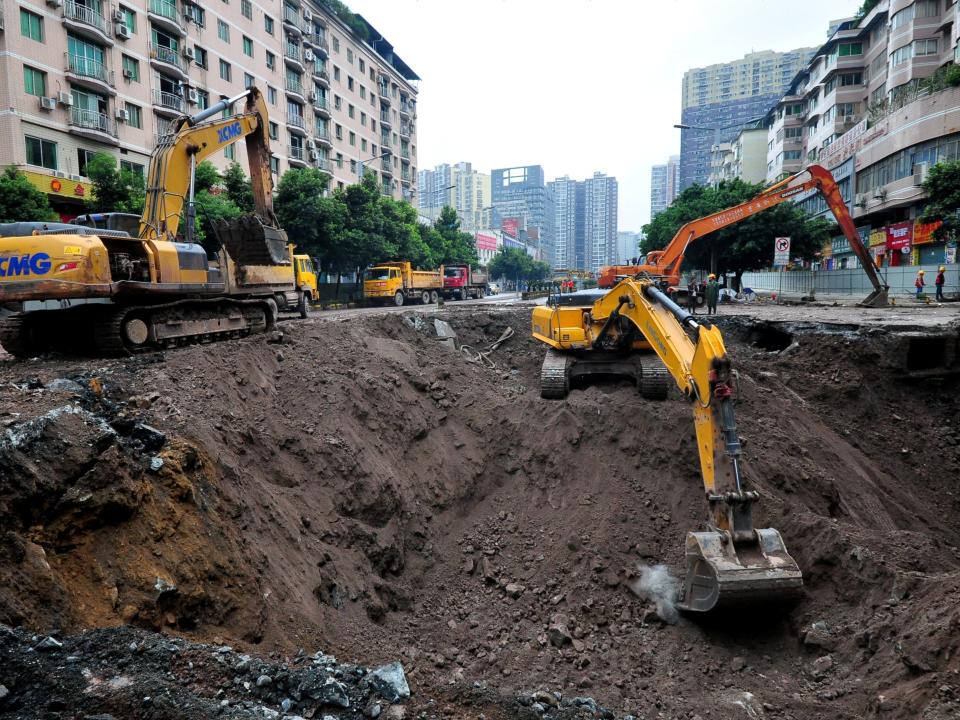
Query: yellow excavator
pixel 612 333
pixel 89 286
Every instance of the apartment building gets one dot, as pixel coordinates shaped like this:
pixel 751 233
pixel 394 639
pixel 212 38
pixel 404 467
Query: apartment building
pixel 458 186
pixel 664 185
pixel 568 206
pixel 862 109
pixel 86 76
pixel 600 221
pixel 745 157
pixel 720 99
pixel 521 198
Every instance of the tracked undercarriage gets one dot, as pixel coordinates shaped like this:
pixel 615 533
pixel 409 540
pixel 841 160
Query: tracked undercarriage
pixel 561 369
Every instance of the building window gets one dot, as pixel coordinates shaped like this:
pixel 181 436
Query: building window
pixel 336 43
pixel 132 167
pixel 350 56
pixel 363 144
pixel 349 83
pixel 42 153
pixel 350 111
pixel 247 80
pixel 200 57
pixel 274 165
pixel 353 138
pixel 129 19
pixel 34 82
pixel 272 94
pixel 363 119
pixel 271 60
pixel 338 131
pixel 230 152
pixel 268 24
pixel 363 93
pixel 339 160
pixel 925 47
pixel 195 13
pixel 852 48
pixel 134 115
pixel 336 73
pixel 131 68
pixel 223 31
pixel 901 55
pixel 225 70
pixel 337 103
pixel 83 157
pixel 246 9
pixel 203 99
pixel 31 25
pixel 274 131
pixel 247 46
pixel 361 64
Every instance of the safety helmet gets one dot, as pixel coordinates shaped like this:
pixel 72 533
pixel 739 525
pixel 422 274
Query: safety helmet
pixel 942 269
pixel 920 272
pixel 712 276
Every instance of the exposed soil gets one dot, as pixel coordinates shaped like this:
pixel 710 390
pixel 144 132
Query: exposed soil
pixel 361 489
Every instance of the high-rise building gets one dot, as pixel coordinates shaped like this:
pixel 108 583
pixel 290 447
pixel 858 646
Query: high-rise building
pixel 600 221
pixel 720 99
pixel 628 247
pixel 458 186
pixel 568 210
pixel 664 185
pixel 85 77
pixel 519 194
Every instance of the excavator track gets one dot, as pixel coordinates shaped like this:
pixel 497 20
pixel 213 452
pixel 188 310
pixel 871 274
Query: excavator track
pixel 15 335
pixel 555 375
pixel 655 380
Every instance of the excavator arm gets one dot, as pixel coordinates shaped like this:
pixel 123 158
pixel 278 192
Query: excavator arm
pixel 732 561
pixel 666 263
pixel 190 140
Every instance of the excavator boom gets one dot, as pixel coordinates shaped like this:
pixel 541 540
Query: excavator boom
pixel 666 263
pixel 731 561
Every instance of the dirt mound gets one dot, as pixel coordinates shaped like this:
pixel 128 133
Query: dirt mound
pixel 361 487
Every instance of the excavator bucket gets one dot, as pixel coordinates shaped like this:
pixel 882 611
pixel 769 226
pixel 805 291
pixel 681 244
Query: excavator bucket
pixel 721 575
pixel 877 298
pixel 250 241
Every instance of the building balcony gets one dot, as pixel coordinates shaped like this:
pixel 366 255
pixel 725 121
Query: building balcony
pixel 386 165
pixel 90 73
pixel 292 21
pixel 323 164
pixel 405 107
pixel 322 137
pixel 405 177
pixel 92 124
pixel 296 123
pixel 406 130
pixel 385 141
pixel 292 56
pixel 167 58
pixel 320 105
pixel 163 14
pixel 296 155
pixel 385 118
pixel 295 88
pixel 384 90
pixel 404 154
pixel 319 73
pixel 843 123
pixel 87 22
pixel 319 42
pixel 167 103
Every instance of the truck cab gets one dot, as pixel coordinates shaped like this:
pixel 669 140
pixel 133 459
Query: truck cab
pixel 456 278
pixel 382 282
pixel 306 276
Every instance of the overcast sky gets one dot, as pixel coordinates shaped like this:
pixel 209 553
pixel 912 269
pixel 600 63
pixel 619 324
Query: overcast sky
pixel 575 85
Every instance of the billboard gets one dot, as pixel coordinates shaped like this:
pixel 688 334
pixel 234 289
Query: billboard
pixel 511 226
pixel 900 235
pixel 486 241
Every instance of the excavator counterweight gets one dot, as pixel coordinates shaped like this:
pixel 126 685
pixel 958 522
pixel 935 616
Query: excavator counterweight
pixel 730 562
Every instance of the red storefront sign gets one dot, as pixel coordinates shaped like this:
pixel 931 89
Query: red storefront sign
pixel 511 226
pixel 486 242
pixel 923 232
pixel 900 235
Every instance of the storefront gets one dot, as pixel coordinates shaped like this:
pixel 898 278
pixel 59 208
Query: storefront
pixel 878 246
pixel 927 250
pixel 67 197
pixel 900 243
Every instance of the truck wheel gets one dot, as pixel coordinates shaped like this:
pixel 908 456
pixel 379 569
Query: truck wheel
pixel 425 297
pixel 303 307
pixel 462 294
pixel 398 299
pixel 434 296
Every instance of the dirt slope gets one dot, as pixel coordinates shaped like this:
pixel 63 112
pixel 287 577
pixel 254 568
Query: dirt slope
pixel 358 487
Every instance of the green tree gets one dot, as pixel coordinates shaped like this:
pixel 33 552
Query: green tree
pixel 312 222
pixel 205 177
pixel 516 264
pixel 943 189
pixel 113 190
pixel 238 187
pixel 747 245
pixel 449 244
pixel 20 201
pixel 212 206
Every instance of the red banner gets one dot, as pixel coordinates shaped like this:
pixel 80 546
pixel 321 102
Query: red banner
pixel 486 242
pixel 900 235
pixel 923 232
pixel 511 226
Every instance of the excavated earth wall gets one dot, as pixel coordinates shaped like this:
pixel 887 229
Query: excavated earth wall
pixel 359 488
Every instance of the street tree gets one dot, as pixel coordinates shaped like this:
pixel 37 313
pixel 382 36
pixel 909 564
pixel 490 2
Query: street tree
pixel 238 187
pixel 942 186
pixel 206 176
pixel 747 245
pixel 313 222
pixel 516 264
pixel 114 190
pixel 452 245
pixel 20 201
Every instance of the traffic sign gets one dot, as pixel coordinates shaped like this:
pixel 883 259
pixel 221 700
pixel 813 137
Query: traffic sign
pixel 781 251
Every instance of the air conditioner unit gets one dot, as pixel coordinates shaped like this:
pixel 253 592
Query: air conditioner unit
pixel 123 115
pixel 118 16
pixel 55 3
pixel 920 171
pixel 65 98
pixel 48 103
pixel 193 96
pixel 879 194
pixel 189 52
pixel 314 155
pixel 861 200
pixel 121 31
pixel 313 96
pixel 308 55
pixel 128 73
pixel 307 15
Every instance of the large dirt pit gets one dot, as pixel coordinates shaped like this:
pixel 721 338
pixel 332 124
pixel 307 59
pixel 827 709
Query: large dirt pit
pixel 361 489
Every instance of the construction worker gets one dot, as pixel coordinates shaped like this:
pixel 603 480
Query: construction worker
pixel 692 297
pixel 939 283
pixel 712 293
pixel 919 283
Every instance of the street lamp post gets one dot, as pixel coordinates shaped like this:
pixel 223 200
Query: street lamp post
pixel 360 162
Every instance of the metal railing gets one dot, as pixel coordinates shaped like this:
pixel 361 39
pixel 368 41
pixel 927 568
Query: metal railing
pixel 406 129
pixel 385 117
pixel 320 72
pixel 404 153
pixel 291 50
pixel 164 8
pixel 84 14
pixel 295 152
pixel 166 55
pixel 87 67
pixel 321 134
pixel 320 41
pixel 384 90
pixel 294 86
pixel 90 120
pixel 168 100
pixel 296 121
pixel 320 101
pixel 385 141
pixel 405 107
pixel 291 16
pixel 323 164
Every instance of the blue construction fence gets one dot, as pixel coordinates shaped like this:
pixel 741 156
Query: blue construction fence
pixel 851 282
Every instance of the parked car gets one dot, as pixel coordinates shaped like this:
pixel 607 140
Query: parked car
pixel 493 289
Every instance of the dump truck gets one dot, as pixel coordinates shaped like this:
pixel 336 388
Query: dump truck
pixel 119 291
pixel 462 282
pixel 396 283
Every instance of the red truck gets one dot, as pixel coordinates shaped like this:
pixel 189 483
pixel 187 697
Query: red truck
pixel 461 282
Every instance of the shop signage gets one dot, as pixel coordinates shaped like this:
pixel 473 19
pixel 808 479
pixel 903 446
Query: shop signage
pixel 900 235
pixel 923 232
pixel 486 242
